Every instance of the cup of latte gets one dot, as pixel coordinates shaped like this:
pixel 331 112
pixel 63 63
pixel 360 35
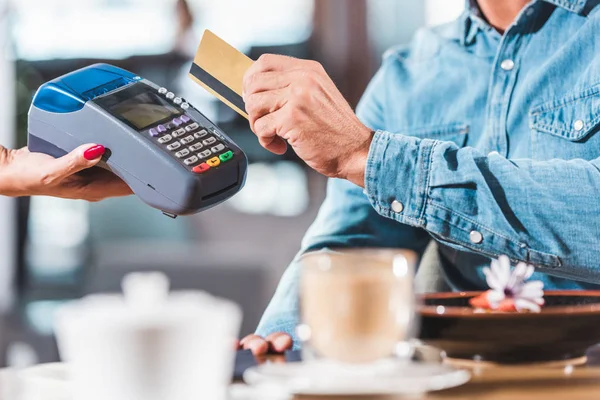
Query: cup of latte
pixel 357 306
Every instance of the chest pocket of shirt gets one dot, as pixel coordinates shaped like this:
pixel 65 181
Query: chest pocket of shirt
pixel 567 127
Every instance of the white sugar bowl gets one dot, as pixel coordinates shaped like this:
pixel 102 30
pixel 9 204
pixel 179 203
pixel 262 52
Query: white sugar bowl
pixel 149 344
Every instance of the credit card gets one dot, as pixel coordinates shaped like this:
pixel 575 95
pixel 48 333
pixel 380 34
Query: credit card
pixel 219 68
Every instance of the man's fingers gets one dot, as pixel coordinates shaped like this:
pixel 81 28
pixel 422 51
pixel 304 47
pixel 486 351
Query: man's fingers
pixel 270 80
pixel 274 62
pixel 83 157
pixel 263 103
pixel 266 129
pixel 280 342
pixel 256 344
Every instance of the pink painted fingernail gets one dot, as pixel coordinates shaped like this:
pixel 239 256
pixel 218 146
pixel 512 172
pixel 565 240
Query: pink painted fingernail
pixel 94 152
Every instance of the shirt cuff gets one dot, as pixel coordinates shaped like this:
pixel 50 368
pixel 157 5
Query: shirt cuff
pixel 397 176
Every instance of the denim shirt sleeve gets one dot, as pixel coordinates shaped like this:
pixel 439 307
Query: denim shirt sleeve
pixel 545 213
pixel 346 219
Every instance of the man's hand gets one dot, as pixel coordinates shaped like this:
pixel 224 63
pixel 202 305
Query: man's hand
pixel 23 173
pixel 294 100
pixel 275 342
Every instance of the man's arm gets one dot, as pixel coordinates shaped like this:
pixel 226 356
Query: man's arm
pixel 346 219
pixel 546 213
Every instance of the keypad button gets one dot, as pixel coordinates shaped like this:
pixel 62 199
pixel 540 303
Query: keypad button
pixel 185 118
pixel 177 100
pixel 170 95
pixel 162 90
pixel 179 132
pixel 182 153
pixel 209 141
pixel 214 162
pixel 192 127
pixel 218 148
pixel 191 160
pixel 177 121
pixel 205 154
pixel 199 169
pixel 201 134
pixel 165 139
pixel 161 128
pixel 187 140
pixel 196 146
pixel 174 146
pixel 185 106
pixel 153 132
pixel 226 156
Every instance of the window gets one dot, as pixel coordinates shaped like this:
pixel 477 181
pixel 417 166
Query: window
pixel 48 29
pixel 256 22
pixel 439 12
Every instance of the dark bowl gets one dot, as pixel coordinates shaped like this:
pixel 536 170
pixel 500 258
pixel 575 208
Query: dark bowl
pixel 566 327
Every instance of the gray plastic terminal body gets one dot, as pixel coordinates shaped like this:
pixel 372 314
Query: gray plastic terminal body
pixel 154 175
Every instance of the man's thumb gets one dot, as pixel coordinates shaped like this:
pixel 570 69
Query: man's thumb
pixel 83 157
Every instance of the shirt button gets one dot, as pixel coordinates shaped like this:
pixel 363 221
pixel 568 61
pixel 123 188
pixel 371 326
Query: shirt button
pixel 397 206
pixel 476 237
pixel 507 64
pixel 578 125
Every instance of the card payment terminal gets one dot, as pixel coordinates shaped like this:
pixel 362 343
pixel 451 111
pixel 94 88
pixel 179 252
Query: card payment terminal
pixel 172 156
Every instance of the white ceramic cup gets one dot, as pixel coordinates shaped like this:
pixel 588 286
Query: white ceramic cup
pixel 149 345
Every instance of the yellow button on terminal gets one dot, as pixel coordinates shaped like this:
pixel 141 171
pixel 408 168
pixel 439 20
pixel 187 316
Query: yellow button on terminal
pixel 214 162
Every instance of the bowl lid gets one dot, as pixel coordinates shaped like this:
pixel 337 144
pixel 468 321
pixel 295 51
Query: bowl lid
pixel 146 301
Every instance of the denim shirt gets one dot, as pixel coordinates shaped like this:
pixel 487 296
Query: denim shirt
pixel 488 144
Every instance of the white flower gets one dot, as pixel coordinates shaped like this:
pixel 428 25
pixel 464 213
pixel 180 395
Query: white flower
pixel 507 284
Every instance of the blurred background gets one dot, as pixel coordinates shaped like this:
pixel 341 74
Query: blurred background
pixel 53 250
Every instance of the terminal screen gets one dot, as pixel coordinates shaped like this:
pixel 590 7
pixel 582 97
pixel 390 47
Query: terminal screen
pixel 144 110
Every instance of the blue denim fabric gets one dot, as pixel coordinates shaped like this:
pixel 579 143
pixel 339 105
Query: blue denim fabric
pixel 478 132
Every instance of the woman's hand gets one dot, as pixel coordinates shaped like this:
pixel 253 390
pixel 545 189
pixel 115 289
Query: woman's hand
pixel 23 173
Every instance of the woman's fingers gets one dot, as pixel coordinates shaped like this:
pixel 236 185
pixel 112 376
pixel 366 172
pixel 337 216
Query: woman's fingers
pixel 98 185
pixel 83 157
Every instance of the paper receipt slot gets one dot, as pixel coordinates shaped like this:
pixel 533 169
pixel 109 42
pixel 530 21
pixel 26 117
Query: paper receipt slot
pixel 172 156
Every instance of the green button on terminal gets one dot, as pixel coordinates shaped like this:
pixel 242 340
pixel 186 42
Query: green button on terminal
pixel 226 156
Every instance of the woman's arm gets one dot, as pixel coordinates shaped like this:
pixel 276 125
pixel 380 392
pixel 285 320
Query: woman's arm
pixel 23 173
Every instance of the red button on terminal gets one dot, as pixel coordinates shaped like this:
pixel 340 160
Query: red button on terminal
pixel 199 169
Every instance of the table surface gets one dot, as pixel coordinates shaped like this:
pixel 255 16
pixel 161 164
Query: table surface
pixel 517 383
pixel 487 383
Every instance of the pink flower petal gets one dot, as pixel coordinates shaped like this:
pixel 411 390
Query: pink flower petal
pixel 519 273
pixel 533 289
pixel 523 304
pixel 502 270
pixel 492 279
pixel 495 297
pixel 530 271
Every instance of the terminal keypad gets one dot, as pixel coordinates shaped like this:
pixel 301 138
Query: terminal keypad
pixel 194 145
